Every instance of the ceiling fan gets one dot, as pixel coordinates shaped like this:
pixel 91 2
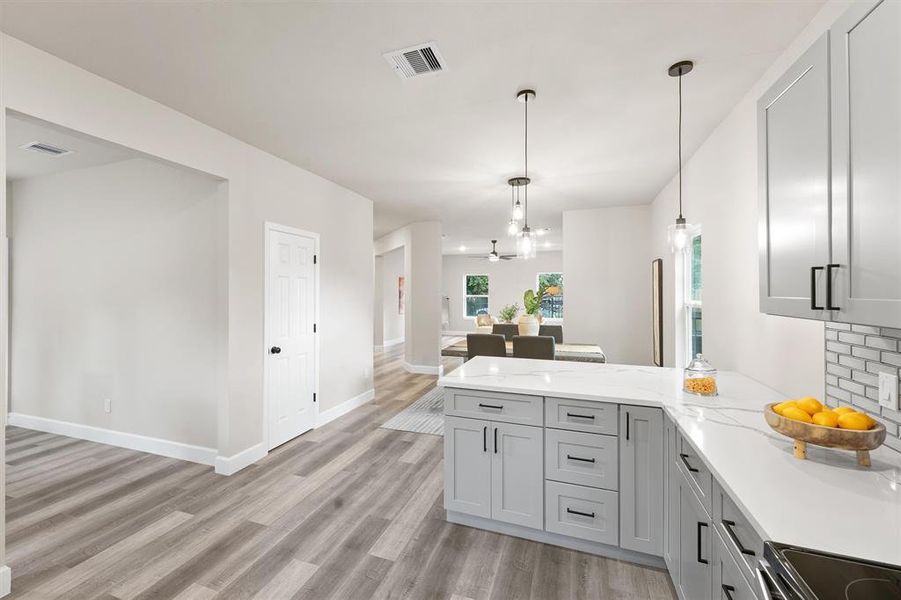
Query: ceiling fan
pixel 493 256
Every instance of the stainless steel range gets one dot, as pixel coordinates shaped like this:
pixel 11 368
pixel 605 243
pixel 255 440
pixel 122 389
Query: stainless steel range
pixel 792 573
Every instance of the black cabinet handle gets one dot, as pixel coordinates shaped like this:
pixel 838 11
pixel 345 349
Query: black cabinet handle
pixel 485 438
pixel 580 513
pixel 627 425
pixel 569 414
pixel 275 350
pixel 727 591
pixel 813 288
pixel 579 458
pixel 495 440
pixel 728 525
pixel 703 561
pixel 494 406
pixel 690 468
pixel 829 305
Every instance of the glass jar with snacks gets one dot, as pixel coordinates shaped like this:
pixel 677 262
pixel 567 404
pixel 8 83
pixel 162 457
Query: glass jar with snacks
pixel 700 377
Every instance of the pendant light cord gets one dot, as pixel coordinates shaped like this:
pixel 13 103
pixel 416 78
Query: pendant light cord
pixel 680 145
pixel 525 213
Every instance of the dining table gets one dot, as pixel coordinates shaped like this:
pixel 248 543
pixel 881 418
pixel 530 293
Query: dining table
pixel 572 352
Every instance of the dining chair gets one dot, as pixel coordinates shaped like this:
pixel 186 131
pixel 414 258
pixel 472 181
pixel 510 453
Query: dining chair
pixel 533 346
pixel 508 330
pixel 555 331
pixel 485 344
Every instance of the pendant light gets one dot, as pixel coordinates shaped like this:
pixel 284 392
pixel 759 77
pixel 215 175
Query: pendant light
pixel 527 246
pixel 678 234
pixel 513 224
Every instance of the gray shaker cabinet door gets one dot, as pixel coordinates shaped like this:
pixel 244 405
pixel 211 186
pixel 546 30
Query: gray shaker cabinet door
pixel 641 479
pixel 467 466
pixel 793 123
pixel 517 474
pixel 866 155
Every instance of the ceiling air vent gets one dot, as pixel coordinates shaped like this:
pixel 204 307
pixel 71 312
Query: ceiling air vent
pixel 46 149
pixel 414 61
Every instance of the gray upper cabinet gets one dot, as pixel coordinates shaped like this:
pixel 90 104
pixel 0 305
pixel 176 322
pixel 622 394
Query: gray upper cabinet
pixel 641 479
pixel 866 163
pixel 793 123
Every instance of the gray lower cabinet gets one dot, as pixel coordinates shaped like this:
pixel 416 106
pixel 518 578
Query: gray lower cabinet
pixel 728 581
pixel 671 499
pixel 582 512
pixel 695 548
pixel 494 470
pixel 641 479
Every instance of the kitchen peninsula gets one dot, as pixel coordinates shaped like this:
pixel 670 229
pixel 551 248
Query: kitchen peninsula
pixel 617 460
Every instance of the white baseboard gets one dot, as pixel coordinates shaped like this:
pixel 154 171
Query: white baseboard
pixel 457 333
pixel 132 441
pixel 6 580
pixel 388 344
pixel 423 369
pixel 229 465
pixel 345 407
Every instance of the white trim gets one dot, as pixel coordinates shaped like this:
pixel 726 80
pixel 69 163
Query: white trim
pixel 6 579
pixel 556 539
pixel 345 407
pixel 132 441
pixel 268 228
pixel 389 343
pixel 229 465
pixel 456 333
pixel 424 369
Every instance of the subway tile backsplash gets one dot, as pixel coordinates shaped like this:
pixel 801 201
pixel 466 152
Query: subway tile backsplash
pixel 855 355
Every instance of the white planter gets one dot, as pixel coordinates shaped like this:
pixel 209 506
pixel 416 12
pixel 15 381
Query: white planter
pixel 528 325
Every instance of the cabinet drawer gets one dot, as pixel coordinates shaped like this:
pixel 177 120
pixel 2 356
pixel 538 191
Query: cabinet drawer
pixel 739 536
pixel 729 582
pixel 581 415
pixel 581 458
pixel 696 474
pixel 492 406
pixel 582 512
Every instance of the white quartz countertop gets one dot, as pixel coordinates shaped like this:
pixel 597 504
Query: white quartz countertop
pixel 826 502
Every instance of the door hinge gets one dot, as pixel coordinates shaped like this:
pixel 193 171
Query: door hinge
pixel 314 396
pixel 315 258
pixel 314 327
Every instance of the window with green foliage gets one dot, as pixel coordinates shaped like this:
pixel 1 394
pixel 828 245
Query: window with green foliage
pixel 552 304
pixel 693 287
pixel 476 295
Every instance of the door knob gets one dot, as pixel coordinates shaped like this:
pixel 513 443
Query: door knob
pixel 275 350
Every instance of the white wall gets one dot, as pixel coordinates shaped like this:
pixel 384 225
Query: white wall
pixel 720 194
pixel 421 243
pixel 506 283
pixel 607 266
pixel 261 188
pixel 118 291
pixel 392 320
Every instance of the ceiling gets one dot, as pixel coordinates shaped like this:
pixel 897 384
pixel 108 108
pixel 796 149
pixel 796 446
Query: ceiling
pixel 307 82
pixel 86 151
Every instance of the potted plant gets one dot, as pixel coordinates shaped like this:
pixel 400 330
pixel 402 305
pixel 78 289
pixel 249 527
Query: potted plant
pixel 508 313
pixel 530 321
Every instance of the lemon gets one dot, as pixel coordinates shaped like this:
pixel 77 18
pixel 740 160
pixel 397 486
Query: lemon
pixel 783 405
pixel 842 410
pixel 854 420
pixel 796 414
pixel 826 418
pixel 810 405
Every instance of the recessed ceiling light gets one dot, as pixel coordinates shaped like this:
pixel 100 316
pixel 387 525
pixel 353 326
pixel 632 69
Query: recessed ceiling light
pixel 462 248
pixel 543 231
pixel 547 244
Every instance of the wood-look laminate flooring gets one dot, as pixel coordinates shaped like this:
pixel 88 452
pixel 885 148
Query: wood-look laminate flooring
pixel 345 511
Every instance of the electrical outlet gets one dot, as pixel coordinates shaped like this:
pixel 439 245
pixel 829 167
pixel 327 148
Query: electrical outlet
pixel 888 391
pixel 107 405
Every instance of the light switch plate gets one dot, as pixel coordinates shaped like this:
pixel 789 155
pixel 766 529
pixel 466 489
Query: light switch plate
pixel 888 391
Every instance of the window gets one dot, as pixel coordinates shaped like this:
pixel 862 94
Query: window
pixel 476 295
pixel 552 305
pixel 693 287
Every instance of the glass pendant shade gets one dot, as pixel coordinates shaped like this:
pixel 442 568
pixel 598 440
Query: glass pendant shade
pixel 678 235
pixel 517 211
pixel 527 244
pixel 512 228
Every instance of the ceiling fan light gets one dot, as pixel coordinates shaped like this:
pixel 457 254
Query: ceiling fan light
pixel 493 257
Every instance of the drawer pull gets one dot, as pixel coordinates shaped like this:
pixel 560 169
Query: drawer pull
pixel 494 406
pixel 579 458
pixel 690 468
pixel 728 525
pixel 727 591
pixel 577 415
pixel 495 440
pixel 485 439
pixel 580 513
pixel 703 561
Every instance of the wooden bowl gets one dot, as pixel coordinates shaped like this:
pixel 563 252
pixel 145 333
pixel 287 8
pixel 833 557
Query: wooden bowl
pixel 829 437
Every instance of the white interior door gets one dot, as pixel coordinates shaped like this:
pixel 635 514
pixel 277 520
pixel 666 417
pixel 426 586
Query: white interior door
pixel 290 332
